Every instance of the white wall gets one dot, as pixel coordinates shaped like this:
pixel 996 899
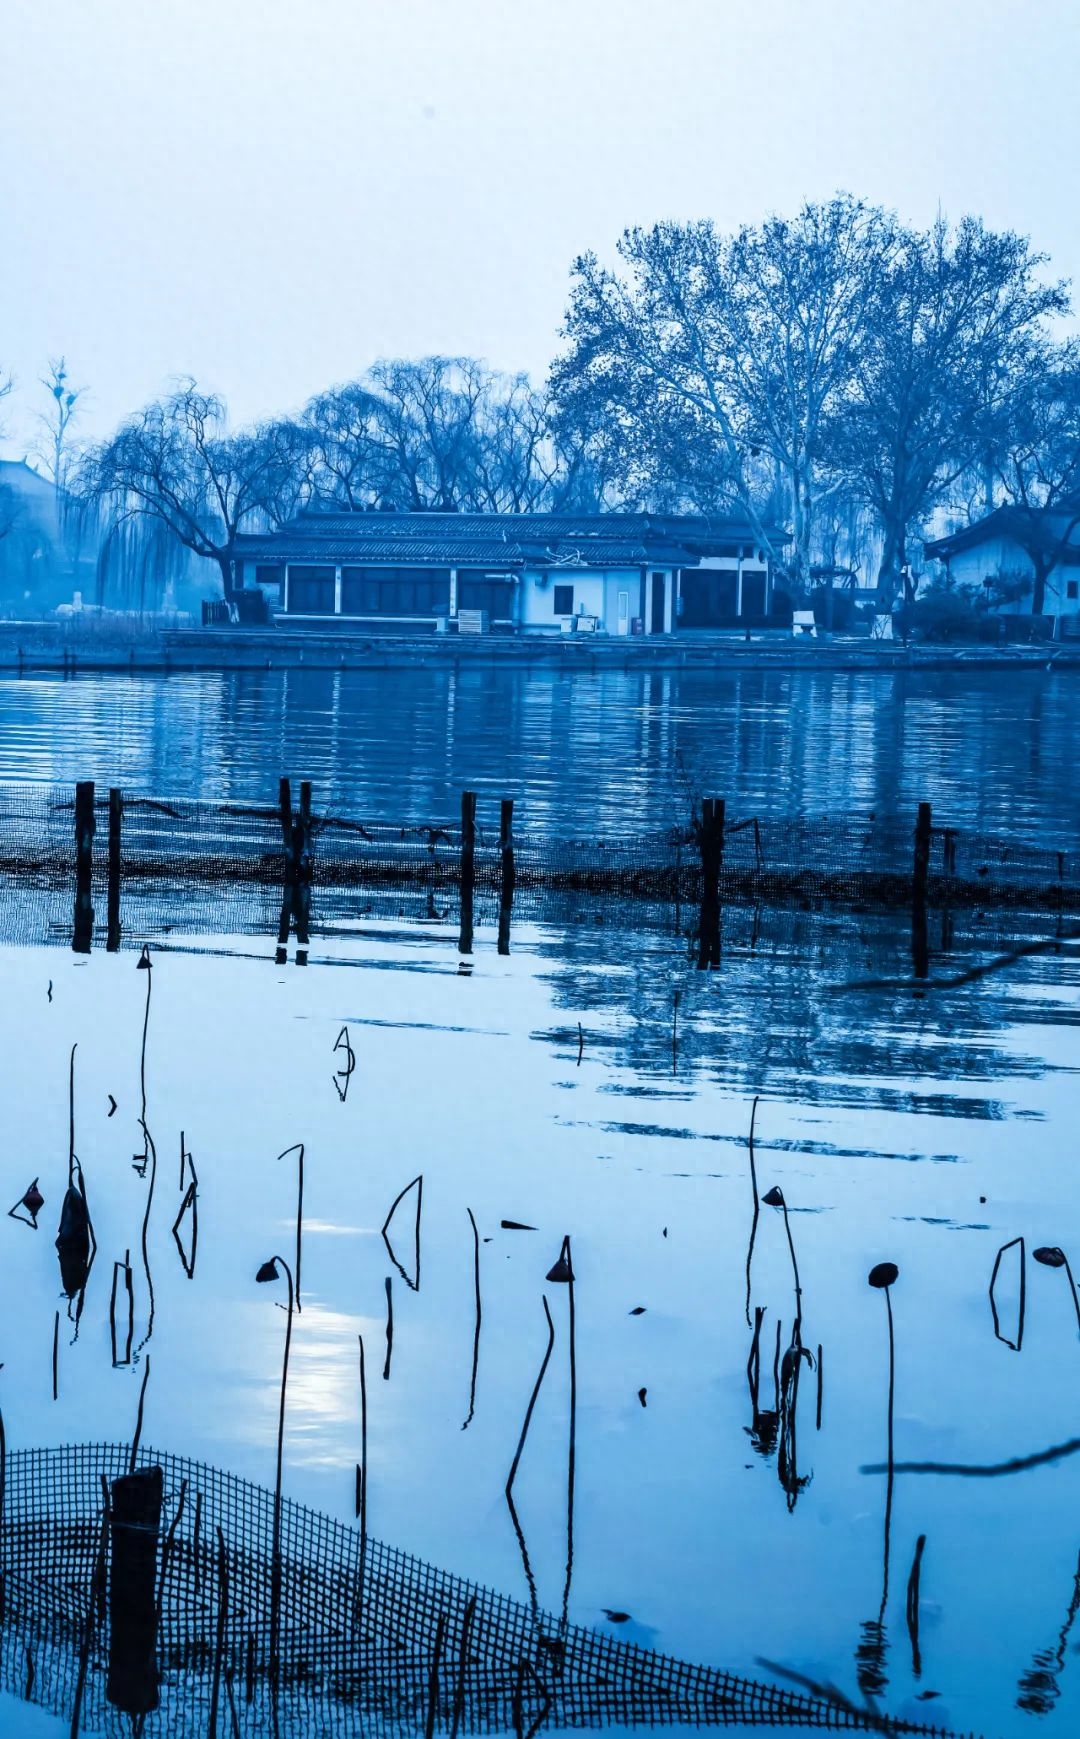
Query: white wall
pixel 537 601
pixel 1002 557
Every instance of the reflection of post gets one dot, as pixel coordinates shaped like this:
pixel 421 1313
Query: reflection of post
pixel 135 1522
pixel 711 845
pixel 506 855
pixel 84 852
pixel 920 945
pixel 468 869
pixel 302 874
pixel 116 810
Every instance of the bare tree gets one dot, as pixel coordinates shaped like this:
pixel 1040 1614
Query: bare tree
pixel 1037 462
pixel 737 349
pixel 55 446
pixel 952 321
pixel 175 463
pixel 348 453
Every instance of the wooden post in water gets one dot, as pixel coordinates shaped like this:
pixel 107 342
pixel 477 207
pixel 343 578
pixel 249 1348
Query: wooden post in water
pixel 84 862
pixel 920 943
pixel 116 811
pixel 285 813
pixel 135 1523
pixel 302 874
pixel 468 869
pixel 711 845
pixel 506 855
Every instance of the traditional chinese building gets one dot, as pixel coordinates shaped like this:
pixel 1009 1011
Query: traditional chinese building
pixel 612 573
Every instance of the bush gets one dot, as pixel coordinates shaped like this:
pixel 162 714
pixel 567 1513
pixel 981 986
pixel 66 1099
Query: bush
pixel 942 612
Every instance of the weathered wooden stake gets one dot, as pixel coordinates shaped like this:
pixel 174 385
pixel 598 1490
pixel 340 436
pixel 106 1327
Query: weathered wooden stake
pixel 84 862
pixel 506 854
pixel 135 1523
pixel 920 943
pixel 711 845
pixel 468 869
pixel 116 810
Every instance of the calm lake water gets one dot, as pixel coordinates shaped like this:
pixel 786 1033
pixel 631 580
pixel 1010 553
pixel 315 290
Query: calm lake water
pixel 993 750
pixel 593 1084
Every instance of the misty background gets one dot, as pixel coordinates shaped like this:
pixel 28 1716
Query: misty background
pixel 269 197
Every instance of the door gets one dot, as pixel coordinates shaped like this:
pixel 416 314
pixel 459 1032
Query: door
pixel 624 612
pixel 656 619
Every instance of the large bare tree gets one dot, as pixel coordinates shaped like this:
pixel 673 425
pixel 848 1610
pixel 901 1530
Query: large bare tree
pixel 954 320
pixel 738 350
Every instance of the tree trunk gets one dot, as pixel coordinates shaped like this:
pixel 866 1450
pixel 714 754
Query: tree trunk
pixel 228 578
pixel 890 573
pixel 1038 584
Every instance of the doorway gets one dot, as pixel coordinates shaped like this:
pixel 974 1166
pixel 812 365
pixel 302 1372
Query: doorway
pixel 656 618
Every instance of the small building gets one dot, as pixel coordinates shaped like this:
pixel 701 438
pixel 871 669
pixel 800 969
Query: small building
pixel 1001 553
pixel 611 573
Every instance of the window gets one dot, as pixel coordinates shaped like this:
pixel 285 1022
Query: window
pixel 563 599
pixel 311 591
pixel 1072 588
pixel 485 592
pixel 269 576
pixel 395 591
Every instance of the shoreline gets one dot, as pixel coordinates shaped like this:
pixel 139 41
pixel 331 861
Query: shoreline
pixel 55 648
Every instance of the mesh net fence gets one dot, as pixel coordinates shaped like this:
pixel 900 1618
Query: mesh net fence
pixel 367 1637
pixel 229 868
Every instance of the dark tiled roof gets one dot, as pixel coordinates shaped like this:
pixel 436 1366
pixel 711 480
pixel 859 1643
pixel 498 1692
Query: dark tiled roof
pixel 490 539
pixel 1024 528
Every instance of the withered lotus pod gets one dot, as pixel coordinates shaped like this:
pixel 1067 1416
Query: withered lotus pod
pixel 883 1274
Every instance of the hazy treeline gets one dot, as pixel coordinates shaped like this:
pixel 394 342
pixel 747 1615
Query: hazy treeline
pixel 837 377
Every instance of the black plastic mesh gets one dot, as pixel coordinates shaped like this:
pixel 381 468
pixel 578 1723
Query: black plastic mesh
pixel 356 1653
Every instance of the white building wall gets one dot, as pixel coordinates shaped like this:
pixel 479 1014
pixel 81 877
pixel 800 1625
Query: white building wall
pixel 591 593
pixel 1002 558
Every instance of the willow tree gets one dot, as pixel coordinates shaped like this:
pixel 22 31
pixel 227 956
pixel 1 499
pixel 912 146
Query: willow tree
pixel 175 464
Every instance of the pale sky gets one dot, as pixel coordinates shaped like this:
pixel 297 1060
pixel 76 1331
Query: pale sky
pixel 270 194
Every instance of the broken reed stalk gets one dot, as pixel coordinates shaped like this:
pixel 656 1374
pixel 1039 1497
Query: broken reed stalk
pixel 56 1357
pixel 820 1388
pixel 298 1149
pixel 913 1606
pixel 433 1677
pixel 139 1417
pixel 463 1667
pixel 580 1043
pixel 389 1329
pixel 219 1641
pixel 1016 1344
pixel 512 1475
pixel 123 1267
pixel 571 1464
pixel 167 1545
pixel 525 1667
pixel 269 1272
pixel 757 1207
pixel 417 1184
pixel 361 1484
pixel 97 1590
pixel 476 1320
pixel 149 1158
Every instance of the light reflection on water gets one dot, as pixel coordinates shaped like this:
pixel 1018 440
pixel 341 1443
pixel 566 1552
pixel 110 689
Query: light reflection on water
pixel 993 750
pixel 927 1131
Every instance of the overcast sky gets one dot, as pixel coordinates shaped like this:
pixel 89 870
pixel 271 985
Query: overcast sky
pixel 270 194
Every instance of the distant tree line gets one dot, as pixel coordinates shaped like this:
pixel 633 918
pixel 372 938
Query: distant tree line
pixel 836 377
